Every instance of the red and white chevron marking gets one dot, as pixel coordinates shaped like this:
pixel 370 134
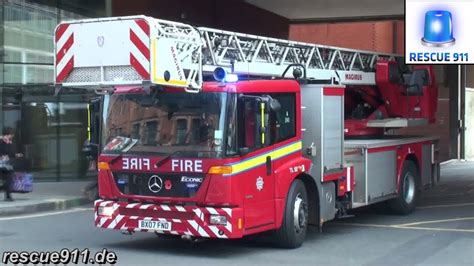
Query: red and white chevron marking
pixel 140 47
pixel 64 38
pixel 186 220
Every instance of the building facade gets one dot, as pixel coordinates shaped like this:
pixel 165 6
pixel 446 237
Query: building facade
pixel 49 130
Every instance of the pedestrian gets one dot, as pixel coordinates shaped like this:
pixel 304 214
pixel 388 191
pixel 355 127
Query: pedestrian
pixel 7 155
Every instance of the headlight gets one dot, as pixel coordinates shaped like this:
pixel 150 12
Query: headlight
pixel 218 219
pixel 105 211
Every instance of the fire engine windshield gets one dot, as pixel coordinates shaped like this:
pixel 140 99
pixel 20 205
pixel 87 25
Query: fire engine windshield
pixel 164 123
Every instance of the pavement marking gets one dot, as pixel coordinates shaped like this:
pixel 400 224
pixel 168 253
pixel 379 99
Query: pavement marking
pixel 437 221
pixel 445 205
pixel 446 195
pixel 44 214
pixel 409 227
pixel 439 229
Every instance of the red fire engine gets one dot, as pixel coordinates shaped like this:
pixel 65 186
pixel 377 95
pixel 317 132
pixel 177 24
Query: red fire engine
pixel 215 134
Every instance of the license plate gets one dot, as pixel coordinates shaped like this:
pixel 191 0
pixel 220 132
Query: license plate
pixel 154 225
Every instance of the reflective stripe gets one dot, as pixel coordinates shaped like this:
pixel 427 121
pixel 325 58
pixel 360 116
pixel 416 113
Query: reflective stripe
pixel 261 159
pixel 348 174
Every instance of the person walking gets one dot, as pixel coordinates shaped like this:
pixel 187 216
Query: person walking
pixel 7 155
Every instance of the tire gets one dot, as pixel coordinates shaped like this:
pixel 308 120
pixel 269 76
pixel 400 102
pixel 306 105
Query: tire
pixel 292 232
pixel 408 193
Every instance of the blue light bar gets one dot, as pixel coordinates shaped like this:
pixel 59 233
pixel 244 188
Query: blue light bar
pixel 438 29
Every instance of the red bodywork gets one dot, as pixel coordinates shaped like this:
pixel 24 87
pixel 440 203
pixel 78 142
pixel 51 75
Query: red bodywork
pixel 247 209
pixel 388 100
pixel 258 210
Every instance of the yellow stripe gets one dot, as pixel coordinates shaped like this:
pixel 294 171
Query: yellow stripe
pixel 89 122
pixel 262 109
pixel 261 159
pixel 171 81
pixel 153 57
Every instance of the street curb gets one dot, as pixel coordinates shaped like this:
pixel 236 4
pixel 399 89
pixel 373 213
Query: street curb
pixel 56 205
pixel 448 161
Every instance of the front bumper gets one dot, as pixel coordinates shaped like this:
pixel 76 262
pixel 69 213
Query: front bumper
pixel 186 220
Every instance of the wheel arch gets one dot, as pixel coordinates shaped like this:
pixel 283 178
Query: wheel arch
pixel 408 158
pixel 313 198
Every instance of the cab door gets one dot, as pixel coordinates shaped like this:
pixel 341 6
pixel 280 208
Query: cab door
pixel 255 168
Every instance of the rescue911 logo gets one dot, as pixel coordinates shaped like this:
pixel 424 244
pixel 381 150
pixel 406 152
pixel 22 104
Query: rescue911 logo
pixel 437 32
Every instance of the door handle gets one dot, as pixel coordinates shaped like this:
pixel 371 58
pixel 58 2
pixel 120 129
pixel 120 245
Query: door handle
pixel 311 150
pixel 269 165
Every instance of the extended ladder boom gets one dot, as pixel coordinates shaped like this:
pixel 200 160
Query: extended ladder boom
pixel 264 56
pixel 142 50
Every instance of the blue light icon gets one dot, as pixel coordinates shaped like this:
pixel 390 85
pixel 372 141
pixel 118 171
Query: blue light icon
pixel 438 29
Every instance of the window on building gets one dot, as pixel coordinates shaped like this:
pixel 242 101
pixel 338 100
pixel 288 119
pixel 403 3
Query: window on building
pixel 195 135
pixel 136 131
pixel 151 130
pixel 181 128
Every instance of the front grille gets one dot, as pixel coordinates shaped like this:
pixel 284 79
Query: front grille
pixel 159 185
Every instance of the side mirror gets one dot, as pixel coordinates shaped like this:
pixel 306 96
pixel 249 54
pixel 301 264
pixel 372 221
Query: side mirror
pixel 244 151
pixel 94 105
pixel 275 105
pixel 94 119
pixel 90 149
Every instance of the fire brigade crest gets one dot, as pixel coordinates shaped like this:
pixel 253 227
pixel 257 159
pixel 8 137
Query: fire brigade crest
pixel 259 183
pixel 100 41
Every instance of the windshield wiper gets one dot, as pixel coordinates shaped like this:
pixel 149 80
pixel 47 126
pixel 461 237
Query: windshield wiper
pixel 167 157
pixel 116 158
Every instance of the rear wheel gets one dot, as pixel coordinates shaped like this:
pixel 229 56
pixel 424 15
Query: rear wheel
pixel 295 218
pixel 408 191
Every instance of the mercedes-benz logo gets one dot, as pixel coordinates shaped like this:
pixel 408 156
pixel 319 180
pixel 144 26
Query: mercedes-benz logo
pixel 155 183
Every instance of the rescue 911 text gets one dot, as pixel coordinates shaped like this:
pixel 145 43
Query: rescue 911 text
pixel 65 256
pixel 444 57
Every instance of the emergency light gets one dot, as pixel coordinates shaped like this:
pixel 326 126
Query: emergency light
pixel 438 29
pixel 222 76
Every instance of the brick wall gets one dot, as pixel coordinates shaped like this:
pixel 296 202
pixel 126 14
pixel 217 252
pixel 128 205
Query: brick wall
pixel 381 36
pixel 234 15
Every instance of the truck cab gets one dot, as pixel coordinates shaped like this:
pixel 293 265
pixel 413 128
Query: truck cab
pixel 224 147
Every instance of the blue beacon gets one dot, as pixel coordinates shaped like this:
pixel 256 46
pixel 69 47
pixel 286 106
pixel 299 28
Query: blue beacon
pixel 438 29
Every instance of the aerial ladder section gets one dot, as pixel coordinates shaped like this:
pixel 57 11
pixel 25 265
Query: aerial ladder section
pixel 142 50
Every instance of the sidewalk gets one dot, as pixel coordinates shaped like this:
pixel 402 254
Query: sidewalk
pixel 46 196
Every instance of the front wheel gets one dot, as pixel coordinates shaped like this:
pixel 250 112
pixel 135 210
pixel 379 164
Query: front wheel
pixel 295 218
pixel 408 192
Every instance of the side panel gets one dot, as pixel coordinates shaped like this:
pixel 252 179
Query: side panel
pixel 378 163
pixel 323 137
pixel 332 129
pixel 381 174
pixel 426 166
pixel 312 117
pixel 327 199
pixel 357 158
pixel 107 52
